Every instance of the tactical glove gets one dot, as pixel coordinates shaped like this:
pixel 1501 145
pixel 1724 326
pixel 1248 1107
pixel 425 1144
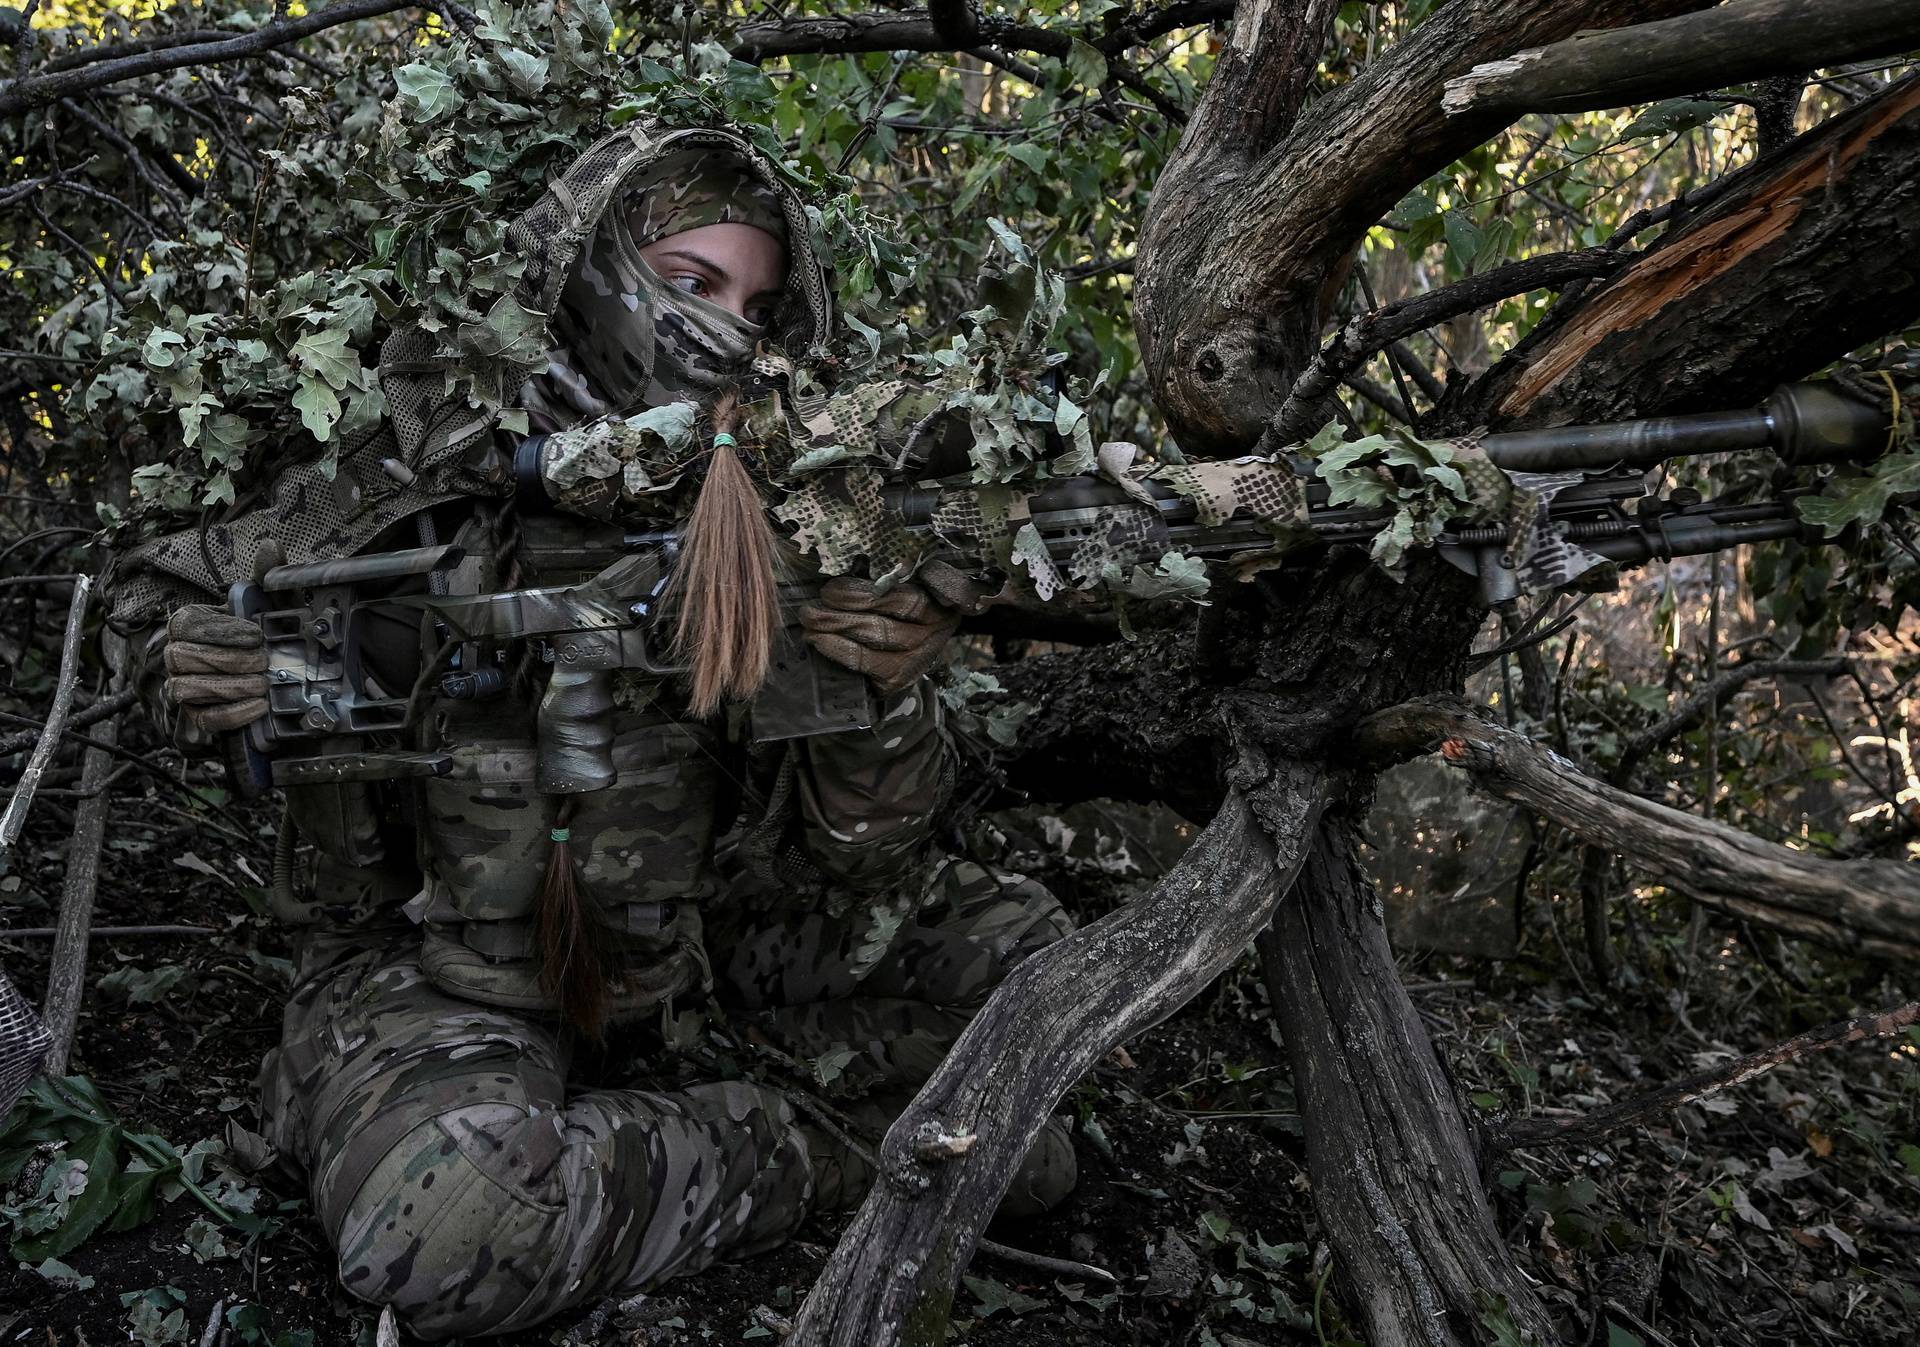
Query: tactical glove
pixel 892 638
pixel 217 669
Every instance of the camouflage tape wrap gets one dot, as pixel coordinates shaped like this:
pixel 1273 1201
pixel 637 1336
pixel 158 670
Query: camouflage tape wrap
pixel 464 1183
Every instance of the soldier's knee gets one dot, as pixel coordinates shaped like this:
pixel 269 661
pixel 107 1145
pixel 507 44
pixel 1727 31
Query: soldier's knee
pixel 452 1218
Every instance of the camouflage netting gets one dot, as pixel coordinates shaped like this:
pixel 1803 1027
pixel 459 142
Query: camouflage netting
pixel 24 1041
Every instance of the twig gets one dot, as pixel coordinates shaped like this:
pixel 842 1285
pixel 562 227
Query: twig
pixel 1643 1108
pixel 99 711
pixel 47 932
pixel 1064 1267
pixel 15 817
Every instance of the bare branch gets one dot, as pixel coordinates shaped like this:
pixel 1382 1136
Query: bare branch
pixel 51 86
pixel 1737 42
pixel 15 817
pixel 1646 1107
pixel 953 25
pixel 1863 906
pixel 1369 333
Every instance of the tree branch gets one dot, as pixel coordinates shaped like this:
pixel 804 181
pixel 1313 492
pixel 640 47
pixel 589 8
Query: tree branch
pixel 50 86
pixel 1370 333
pixel 1865 907
pixel 1791 264
pixel 1644 1108
pixel 1251 238
pixel 1739 41
pixel 952 25
pixel 15 817
pixel 1701 704
pixel 890 1279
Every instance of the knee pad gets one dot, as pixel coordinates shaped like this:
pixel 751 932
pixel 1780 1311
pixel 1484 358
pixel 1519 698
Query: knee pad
pixel 455 1220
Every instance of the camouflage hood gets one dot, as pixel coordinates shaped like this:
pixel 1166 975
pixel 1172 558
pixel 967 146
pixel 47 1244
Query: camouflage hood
pixel 620 338
pixel 437 441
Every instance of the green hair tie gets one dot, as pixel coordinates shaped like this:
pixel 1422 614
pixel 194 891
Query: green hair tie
pixel 721 437
pixel 562 834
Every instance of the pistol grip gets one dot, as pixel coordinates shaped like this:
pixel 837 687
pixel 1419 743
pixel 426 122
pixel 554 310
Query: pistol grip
pixel 248 769
pixel 576 732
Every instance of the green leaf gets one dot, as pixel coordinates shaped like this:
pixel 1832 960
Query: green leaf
pixel 325 353
pixel 160 350
pixel 526 70
pixel 428 89
pixel 825 456
pixel 1855 499
pixel 1463 237
pixel 318 405
pixel 86 1212
pixel 992 1297
pixel 56 1271
pixel 1620 1337
pixel 1086 65
pixel 1029 154
pixel 1673 115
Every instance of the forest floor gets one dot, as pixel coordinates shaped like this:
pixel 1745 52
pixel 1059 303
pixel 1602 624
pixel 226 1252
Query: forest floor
pixel 1785 1211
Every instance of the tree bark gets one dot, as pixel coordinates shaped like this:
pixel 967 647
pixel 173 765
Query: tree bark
pixel 890 1279
pixel 1253 225
pixel 1732 44
pixel 1396 1176
pixel 1867 907
pixel 1804 258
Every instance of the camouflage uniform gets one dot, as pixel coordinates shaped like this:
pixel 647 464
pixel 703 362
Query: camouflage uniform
pixel 462 1166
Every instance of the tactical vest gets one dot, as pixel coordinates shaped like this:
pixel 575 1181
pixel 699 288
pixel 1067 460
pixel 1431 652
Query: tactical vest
pixel 643 846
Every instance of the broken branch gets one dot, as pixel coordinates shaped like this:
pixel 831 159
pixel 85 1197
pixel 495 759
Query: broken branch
pixel 1739 41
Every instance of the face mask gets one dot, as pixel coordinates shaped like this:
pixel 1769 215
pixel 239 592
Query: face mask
pixel 626 339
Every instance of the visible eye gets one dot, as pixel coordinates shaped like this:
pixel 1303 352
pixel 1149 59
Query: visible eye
pixel 689 282
pixel 760 315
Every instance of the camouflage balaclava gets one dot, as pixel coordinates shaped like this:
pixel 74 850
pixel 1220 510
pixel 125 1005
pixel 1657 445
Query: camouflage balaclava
pixel 623 337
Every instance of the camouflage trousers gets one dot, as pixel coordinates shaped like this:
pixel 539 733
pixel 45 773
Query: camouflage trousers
pixel 465 1180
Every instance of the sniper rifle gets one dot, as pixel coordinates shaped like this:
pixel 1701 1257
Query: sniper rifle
pixel 328 720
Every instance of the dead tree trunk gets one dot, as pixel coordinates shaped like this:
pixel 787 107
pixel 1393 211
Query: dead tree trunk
pixel 891 1278
pixel 1395 1169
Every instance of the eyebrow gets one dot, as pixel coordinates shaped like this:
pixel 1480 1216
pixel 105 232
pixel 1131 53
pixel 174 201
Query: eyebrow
pixel 718 272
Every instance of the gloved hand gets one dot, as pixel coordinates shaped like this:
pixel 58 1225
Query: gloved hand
pixel 892 638
pixel 217 668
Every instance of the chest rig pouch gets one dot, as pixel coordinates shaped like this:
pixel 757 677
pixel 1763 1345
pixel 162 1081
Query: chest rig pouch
pixel 641 827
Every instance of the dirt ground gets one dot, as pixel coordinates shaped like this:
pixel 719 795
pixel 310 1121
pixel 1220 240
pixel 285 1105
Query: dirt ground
pixel 1786 1211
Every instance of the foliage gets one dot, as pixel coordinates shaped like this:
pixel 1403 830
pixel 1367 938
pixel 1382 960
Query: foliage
pixel 74 1170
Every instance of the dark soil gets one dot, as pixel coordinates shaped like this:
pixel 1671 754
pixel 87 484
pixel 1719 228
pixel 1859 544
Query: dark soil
pixel 1786 1212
